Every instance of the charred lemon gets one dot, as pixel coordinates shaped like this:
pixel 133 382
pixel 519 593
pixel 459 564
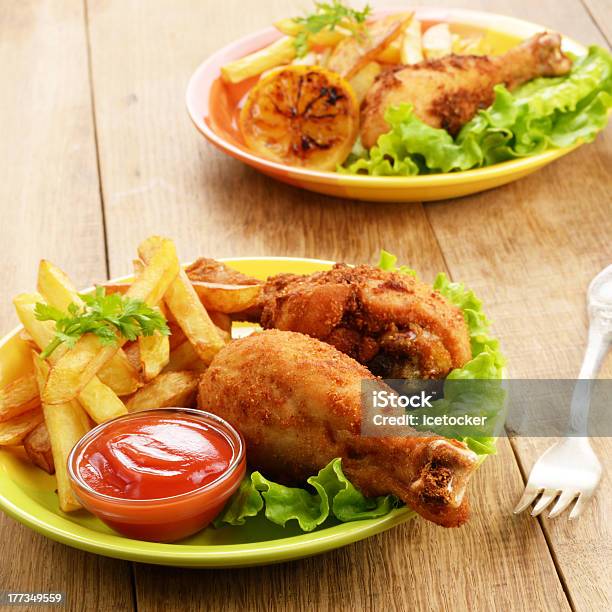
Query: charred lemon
pixel 302 116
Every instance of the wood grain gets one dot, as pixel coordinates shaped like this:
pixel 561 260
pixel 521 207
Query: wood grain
pixel 526 248
pixel 541 242
pixel 494 562
pixel 50 207
pixel 601 12
pixel 159 176
pixel 545 240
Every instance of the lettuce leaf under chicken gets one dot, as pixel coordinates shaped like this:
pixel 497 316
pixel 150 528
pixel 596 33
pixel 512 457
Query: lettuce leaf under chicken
pixel 543 114
pixel 331 496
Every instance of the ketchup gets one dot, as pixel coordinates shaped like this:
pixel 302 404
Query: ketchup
pixel 154 456
pixel 158 475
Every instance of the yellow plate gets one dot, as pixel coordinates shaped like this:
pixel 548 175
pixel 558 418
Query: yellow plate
pixel 28 494
pixel 213 108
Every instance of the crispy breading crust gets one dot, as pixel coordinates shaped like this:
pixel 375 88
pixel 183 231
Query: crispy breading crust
pixel 447 92
pixel 297 402
pixel 392 322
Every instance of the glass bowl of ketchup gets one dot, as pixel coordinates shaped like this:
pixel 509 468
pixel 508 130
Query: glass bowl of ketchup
pixel 158 475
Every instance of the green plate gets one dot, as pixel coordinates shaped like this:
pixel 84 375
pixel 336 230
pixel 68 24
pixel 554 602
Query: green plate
pixel 27 493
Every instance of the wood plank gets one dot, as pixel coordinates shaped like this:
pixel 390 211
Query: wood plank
pixel 159 176
pixel 601 12
pixel 529 250
pixel 168 180
pixel 50 207
pixel 491 563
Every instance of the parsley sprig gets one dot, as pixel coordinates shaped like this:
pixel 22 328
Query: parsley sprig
pixel 104 316
pixel 328 15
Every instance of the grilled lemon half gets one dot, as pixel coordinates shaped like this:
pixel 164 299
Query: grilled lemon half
pixel 301 116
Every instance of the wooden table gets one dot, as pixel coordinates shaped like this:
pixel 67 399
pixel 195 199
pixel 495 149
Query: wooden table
pixel 97 152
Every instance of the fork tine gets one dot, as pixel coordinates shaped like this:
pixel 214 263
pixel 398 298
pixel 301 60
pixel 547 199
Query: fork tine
pixel 565 499
pixel 531 492
pixel 544 501
pixel 580 505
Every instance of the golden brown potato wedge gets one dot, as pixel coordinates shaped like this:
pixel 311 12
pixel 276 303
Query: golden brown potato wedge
pixel 57 289
pixel 227 298
pixel 99 400
pixel 120 375
pixel 184 357
pixel 76 367
pixel 437 41
pixel 185 305
pixel 364 79
pixel 132 352
pixel 411 51
pixel 278 53
pixel 15 430
pixel 37 445
pixel 177 337
pixel 18 397
pixel 67 424
pixel 223 322
pixel 324 38
pixel 170 389
pixel 353 53
pixel 154 352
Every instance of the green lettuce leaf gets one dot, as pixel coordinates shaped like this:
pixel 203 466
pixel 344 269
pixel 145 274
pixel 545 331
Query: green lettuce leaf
pixel 330 494
pixel 543 114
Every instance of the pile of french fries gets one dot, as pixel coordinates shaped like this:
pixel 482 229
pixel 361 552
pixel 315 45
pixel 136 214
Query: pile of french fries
pixel 358 59
pixel 48 409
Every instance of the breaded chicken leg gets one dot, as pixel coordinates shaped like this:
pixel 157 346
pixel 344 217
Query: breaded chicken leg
pixel 447 92
pixel 297 402
pixel 395 324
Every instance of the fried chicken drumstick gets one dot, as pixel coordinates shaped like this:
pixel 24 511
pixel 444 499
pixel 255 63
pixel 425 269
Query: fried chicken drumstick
pixel 395 324
pixel 447 92
pixel 297 402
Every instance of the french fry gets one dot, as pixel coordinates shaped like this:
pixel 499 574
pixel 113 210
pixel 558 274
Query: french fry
pixel 76 367
pixel 99 400
pixel 391 54
pixel 184 357
pixel 120 375
pixel 37 446
pixel 353 53
pixel 13 431
pixel 170 389
pixel 324 38
pixel 278 53
pixel 18 397
pixel 411 51
pixel 23 335
pixel 227 298
pixel 58 290
pixel 472 45
pixel 153 351
pixel 177 337
pixel 364 79
pixel 437 41
pixel 132 352
pixel 154 354
pixel 66 426
pixel 223 322
pixel 185 305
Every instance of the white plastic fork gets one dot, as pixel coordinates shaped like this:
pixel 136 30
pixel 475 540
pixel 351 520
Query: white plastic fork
pixel 570 469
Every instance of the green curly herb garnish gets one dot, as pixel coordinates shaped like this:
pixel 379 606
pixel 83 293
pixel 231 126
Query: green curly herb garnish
pixel 328 16
pixel 104 316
